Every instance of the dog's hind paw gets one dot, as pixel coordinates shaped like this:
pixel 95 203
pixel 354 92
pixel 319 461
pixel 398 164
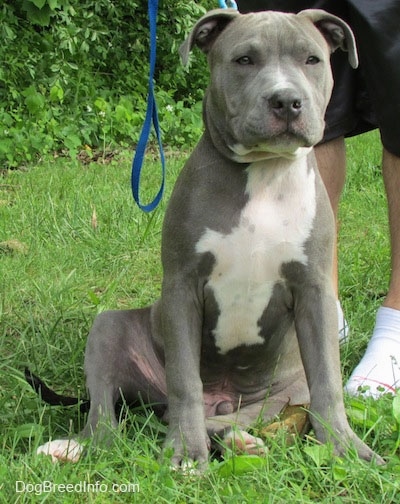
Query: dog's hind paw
pixel 62 450
pixel 241 442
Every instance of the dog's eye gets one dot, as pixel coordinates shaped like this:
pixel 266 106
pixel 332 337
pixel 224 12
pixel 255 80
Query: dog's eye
pixel 312 60
pixel 244 60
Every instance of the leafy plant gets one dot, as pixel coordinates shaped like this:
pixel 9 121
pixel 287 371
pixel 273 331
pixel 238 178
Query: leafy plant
pixel 74 73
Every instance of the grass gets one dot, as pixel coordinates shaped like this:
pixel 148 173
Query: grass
pixel 72 243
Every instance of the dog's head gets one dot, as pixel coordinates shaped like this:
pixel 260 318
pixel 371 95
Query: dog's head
pixel 271 79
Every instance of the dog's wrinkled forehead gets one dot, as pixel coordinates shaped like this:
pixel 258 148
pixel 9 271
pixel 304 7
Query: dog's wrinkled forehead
pixel 260 32
pixel 313 24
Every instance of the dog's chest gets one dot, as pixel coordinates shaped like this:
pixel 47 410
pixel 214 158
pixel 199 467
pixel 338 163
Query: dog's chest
pixel 273 227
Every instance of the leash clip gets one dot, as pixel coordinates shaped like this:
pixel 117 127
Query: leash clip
pixel 230 4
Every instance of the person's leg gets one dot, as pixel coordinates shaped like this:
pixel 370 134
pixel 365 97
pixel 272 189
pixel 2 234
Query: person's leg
pixel 331 159
pixel 379 369
pixel 391 177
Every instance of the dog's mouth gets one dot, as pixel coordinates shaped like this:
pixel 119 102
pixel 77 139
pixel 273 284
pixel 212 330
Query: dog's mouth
pixel 242 154
pixel 285 132
pixel 287 142
pixel 288 136
pixel 273 135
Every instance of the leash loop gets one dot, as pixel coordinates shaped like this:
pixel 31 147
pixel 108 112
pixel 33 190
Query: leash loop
pixel 151 118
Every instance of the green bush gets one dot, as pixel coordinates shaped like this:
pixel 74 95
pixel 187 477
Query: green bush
pixel 74 73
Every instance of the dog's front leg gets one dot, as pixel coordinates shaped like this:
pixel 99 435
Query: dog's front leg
pixel 316 326
pixel 181 328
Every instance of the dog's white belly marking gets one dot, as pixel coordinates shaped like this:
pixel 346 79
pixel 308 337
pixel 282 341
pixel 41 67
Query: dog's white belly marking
pixel 273 228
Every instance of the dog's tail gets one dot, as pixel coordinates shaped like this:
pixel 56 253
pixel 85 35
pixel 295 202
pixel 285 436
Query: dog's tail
pixel 51 397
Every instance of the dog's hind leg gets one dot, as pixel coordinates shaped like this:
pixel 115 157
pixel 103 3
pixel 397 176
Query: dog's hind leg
pixel 102 415
pixel 101 420
pixel 100 423
pixel 121 362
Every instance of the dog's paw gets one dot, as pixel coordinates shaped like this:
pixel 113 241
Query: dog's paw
pixel 189 459
pixel 350 440
pixel 241 442
pixel 188 467
pixel 63 450
pixel 189 463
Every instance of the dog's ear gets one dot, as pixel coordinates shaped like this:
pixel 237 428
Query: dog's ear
pixel 337 33
pixel 206 31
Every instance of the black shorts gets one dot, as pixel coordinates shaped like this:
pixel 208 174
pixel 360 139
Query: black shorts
pixel 369 97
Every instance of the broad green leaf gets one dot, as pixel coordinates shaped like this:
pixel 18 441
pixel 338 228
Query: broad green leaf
pixel 241 464
pixel 29 430
pixel 320 454
pixel 38 3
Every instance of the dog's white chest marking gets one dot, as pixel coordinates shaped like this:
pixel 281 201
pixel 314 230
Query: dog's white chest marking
pixel 273 228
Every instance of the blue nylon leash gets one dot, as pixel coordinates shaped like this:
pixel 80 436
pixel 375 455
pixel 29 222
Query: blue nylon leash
pixel 152 115
pixel 151 118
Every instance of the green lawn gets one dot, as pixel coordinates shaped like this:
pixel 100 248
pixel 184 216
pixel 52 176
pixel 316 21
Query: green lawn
pixel 73 243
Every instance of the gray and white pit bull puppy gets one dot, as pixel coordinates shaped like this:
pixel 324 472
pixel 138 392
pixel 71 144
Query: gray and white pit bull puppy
pixel 247 319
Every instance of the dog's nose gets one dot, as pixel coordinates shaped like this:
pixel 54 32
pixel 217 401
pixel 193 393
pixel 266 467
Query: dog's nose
pixel 285 104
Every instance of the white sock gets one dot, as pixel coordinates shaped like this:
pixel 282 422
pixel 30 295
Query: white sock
pixel 379 369
pixel 343 326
